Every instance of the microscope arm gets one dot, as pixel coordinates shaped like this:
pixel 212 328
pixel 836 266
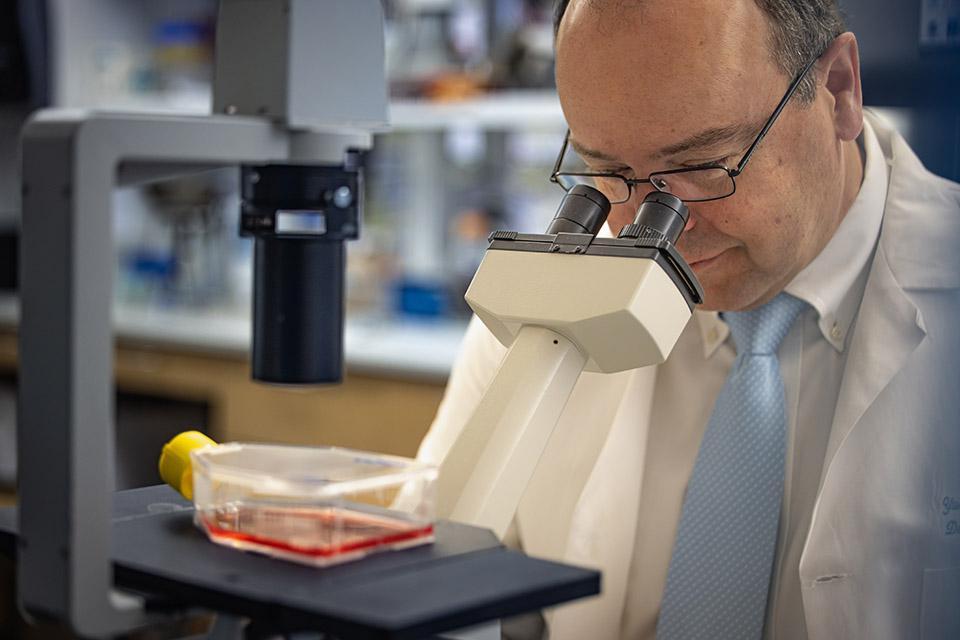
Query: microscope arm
pixel 71 163
pixel 488 468
pixel 303 82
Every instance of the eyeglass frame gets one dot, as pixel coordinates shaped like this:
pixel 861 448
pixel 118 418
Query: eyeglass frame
pixel 733 173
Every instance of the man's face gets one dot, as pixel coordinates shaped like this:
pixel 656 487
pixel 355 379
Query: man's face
pixel 668 84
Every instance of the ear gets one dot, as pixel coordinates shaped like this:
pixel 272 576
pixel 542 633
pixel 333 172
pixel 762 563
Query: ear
pixel 839 68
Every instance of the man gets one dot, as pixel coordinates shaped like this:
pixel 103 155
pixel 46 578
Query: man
pixel 831 208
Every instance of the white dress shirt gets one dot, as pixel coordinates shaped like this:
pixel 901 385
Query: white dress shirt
pixel 812 357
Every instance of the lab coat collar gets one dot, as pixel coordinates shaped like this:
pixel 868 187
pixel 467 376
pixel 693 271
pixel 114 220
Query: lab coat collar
pixel 924 256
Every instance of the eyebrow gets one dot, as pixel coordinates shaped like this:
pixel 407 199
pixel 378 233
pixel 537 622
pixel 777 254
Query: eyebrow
pixel 709 138
pixel 593 154
pixel 706 139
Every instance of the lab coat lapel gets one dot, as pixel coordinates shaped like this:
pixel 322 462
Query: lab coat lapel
pixel 889 330
pixel 887 318
pixel 889 326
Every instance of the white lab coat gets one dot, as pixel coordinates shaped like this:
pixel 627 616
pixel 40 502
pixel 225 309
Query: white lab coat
pixel 882 559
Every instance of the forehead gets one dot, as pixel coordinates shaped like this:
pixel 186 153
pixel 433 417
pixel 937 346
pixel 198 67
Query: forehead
pixel 662 69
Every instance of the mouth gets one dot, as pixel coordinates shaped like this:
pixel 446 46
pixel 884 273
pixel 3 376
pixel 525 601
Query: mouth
pixel 699 265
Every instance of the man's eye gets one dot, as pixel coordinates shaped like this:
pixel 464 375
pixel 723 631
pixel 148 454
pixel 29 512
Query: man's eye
pixel 621 171
pixel 727 161
pixel 706 165
pixel 660 183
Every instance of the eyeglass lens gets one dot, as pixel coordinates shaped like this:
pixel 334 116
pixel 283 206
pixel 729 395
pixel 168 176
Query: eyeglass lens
pixel 707 183
pixel 614 188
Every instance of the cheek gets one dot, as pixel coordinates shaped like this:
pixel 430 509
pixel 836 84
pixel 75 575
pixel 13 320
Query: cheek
pixel 771 218
pixel 728 217
pixel 780 238
pixel 762 228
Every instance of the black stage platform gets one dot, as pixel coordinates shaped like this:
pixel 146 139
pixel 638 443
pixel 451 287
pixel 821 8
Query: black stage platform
pixel 466 577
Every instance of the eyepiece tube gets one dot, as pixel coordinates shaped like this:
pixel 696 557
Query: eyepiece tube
pixel 583 210
pixel 664 213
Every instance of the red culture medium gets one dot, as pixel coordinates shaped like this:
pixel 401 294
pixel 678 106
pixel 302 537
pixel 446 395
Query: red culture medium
pixel 324 533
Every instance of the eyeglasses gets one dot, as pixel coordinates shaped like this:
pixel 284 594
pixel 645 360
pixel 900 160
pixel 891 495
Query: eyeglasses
pixel 692 184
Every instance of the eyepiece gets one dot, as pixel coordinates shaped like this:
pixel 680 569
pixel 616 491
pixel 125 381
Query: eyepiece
pixel 662 212
pixel 583 210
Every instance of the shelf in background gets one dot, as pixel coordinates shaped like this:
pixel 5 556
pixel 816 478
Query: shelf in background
pixel 507 110
pixel 531 109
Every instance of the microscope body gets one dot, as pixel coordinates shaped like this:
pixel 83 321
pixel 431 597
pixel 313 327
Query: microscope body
pixel 619 303
pixel 562 303
pixel 299 83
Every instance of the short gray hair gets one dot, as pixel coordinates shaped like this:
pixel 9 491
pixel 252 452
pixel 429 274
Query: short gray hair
pixel 800 31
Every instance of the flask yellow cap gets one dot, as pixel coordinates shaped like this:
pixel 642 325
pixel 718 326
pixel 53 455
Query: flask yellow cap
pixel 175 467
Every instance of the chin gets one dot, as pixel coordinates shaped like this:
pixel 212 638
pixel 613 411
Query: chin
pixel 736 285
pixel 740 298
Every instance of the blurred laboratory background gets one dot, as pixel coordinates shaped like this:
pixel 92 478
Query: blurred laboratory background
pixel 475 129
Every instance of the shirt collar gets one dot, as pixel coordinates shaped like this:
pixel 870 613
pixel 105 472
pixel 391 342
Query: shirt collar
pixel 833 283
pixel 713 331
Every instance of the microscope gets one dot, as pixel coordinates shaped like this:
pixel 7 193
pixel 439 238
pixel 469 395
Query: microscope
pixel 562 302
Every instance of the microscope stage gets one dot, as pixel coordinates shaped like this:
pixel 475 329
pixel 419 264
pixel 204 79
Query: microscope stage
pixel 464 578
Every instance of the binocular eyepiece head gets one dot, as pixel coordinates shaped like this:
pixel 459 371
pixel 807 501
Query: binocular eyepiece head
pixel 585 209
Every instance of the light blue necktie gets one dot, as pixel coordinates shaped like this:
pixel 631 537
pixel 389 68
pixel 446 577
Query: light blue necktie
pixel 720 569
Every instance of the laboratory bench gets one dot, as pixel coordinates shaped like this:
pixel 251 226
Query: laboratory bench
pixel 395 375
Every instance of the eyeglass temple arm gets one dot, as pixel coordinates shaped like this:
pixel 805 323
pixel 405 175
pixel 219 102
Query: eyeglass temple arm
pixel 563 152
pixel 773 118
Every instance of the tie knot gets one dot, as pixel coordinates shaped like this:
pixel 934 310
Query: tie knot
pixel 760 331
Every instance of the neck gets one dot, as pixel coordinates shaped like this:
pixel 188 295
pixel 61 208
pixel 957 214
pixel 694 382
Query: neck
pixel 854 161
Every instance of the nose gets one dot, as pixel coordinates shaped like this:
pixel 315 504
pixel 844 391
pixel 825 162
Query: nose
pixel 620 215
pixel 691 220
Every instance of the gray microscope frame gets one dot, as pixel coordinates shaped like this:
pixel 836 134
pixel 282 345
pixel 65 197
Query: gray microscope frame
pixel 72 161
